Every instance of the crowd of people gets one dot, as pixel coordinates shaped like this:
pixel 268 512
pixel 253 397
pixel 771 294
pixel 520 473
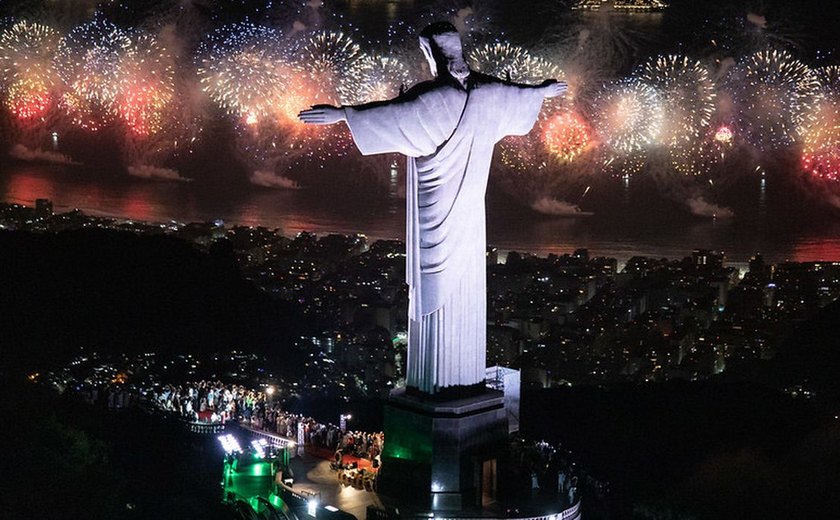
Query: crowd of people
pixel 544 468
pixel 205 401
pixel 214 402
pixel 114 397
pixel 551 470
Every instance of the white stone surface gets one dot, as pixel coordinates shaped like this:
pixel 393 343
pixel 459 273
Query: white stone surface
pixel 448 135
pixel 447 128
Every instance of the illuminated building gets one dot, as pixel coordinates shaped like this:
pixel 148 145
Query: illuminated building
pixel 619 5
pixel 703 258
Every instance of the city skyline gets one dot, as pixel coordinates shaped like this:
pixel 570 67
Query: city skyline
pixel 584 335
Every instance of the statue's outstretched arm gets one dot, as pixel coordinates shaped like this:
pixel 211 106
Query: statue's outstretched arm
pixel 329 114
pixel 519 105
pixel 322 115
pixel 553 88
pixel 550 87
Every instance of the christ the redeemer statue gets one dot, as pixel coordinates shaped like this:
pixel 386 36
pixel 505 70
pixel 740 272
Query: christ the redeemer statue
pixel 447 128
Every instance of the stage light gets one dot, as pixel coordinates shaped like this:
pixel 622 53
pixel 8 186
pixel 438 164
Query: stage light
pixel 258 448
pixel 230 444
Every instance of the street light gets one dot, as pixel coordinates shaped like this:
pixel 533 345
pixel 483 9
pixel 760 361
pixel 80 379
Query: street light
pixel 270 390
pixel 342 421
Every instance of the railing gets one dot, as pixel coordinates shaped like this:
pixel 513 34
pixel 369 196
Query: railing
pixel 272 439
pixel 572 513
pixel 205 427
pixel 303 496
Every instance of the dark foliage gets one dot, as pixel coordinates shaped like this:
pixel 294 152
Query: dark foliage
pixel 65 459
pixel 696 450
pixel 120 292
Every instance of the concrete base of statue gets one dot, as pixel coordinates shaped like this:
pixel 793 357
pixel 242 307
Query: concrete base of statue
pixel 441 455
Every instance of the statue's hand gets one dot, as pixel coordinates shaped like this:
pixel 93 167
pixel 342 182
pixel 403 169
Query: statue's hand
pixel 322 115
pixel 553 88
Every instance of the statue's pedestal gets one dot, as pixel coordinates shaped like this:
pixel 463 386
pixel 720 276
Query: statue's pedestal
pixel 442 455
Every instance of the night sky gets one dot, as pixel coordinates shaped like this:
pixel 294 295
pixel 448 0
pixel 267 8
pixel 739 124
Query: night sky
pixel 212 145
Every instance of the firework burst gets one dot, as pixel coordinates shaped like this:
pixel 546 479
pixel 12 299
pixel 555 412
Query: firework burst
pixel 694 158
pixel 522 154
pixel 687 95
pixel 334 63
pixel 27 72
pixel 722 140
pixel 624 165
pixel 829 79
pixel 566 135
pixel 628 116
pixel 513 63
pixel 244 70
pixel 775 94
pixel 296 97
pixel 821 153
pixel 382 77
pixel 821 146
pixel 724 135
pixel 146 86
pixel 88 62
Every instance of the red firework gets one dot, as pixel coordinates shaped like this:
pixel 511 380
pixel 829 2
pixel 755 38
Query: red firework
pixel 566 135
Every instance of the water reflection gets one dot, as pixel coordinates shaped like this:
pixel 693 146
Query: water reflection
pixel 25 187
pixel 625 190
pixel 622 231
pixel 762 195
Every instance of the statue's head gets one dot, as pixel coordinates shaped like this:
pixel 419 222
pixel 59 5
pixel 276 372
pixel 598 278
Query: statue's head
pixel 441 45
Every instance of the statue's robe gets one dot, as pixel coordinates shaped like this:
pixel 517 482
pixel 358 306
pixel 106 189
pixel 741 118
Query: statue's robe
pixel 448 135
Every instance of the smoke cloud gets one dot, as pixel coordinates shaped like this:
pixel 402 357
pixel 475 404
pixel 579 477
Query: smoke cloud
pixel 757 20
pixel 702 208
pixel 144 171
pixel 557 208
pixel 23 153
pixel 270 180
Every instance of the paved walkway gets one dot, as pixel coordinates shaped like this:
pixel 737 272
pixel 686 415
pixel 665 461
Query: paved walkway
pixel 313 474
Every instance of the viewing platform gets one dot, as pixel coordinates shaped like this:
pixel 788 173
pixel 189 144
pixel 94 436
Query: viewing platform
pixel 316 484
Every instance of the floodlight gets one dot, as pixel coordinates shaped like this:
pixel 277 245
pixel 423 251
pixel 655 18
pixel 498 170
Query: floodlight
pixel 258 448
pixel 229 444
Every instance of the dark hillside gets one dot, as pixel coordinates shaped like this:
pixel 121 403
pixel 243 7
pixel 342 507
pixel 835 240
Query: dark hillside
pixel 120 292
